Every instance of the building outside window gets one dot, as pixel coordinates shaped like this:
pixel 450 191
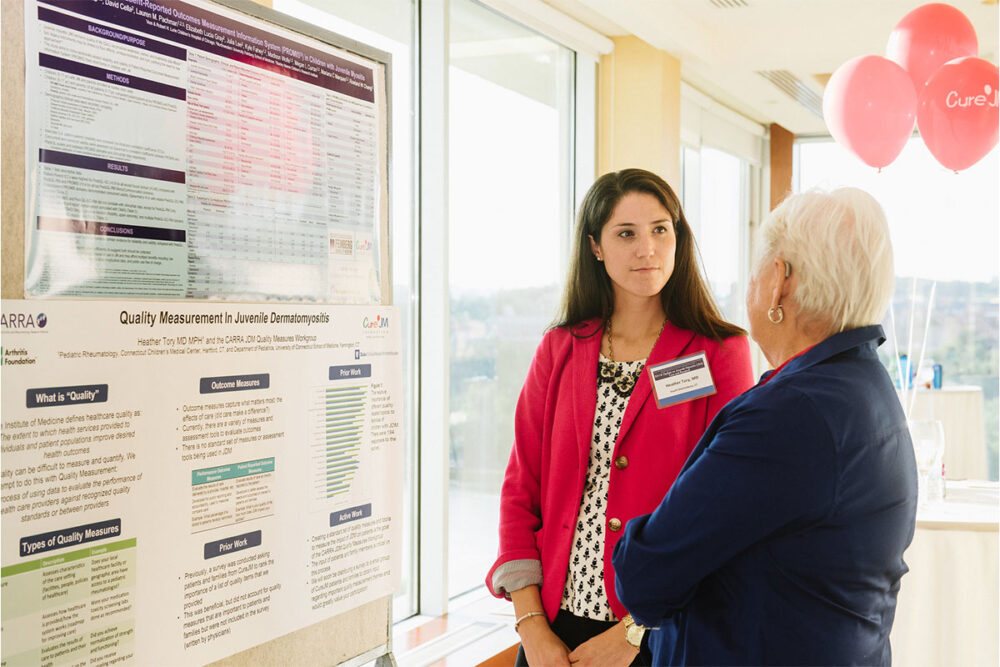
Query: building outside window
pixel 716 196
pixel 510 210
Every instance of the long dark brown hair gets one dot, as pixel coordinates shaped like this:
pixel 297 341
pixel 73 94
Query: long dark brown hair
pixel 687 301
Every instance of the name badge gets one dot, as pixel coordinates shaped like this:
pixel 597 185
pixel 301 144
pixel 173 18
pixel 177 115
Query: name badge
pixel 681 379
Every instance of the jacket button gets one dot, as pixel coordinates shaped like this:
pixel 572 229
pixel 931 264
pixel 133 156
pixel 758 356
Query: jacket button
pixel 621 462
pixel 615 524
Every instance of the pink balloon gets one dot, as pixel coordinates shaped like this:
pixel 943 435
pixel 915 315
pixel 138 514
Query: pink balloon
pixel 957 115
pixel 928 37
pixel 869 107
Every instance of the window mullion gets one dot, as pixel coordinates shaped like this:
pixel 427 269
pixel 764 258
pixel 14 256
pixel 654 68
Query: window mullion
pixel 434 325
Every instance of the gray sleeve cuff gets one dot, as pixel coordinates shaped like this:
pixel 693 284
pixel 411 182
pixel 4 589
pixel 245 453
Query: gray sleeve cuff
pixel 516 574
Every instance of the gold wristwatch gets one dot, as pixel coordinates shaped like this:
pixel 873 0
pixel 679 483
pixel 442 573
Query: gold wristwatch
pixel 633 632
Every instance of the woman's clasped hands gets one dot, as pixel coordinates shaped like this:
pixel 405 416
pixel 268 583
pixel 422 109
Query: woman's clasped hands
pixel 543 648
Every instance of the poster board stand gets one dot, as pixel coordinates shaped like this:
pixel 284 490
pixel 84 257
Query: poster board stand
pixel 351 637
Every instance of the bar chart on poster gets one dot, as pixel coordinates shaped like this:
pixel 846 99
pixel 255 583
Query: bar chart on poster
pixel 340 414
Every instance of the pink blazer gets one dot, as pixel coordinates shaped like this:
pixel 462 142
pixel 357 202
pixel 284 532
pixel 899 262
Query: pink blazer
pixel 553 424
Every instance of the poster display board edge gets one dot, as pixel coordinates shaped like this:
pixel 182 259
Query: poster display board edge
pixel 357 623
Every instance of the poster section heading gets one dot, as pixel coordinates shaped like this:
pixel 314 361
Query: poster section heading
pixel 353 372
pixel 228 383
pixel 57 539
pixel 197 28
pixel 113 167
pixel 233 544
pixel 110 34
pixel 66 557
pixel 116 78
pixel 51 396
pixel 350 514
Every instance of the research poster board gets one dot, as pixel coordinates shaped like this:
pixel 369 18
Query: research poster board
pixel 182 481
pixel 185 150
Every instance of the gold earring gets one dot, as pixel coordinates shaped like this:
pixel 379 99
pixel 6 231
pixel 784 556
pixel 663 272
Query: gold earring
pixel 776 319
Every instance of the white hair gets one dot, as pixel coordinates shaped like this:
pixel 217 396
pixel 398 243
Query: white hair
pixel 838 245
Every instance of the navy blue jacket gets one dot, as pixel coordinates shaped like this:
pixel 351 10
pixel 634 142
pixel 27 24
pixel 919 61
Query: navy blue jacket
pixel 781 542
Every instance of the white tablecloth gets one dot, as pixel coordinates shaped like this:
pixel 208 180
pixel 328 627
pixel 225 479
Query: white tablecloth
pixel 947 612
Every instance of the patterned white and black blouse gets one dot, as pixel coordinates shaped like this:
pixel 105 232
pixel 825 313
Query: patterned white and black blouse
pixel 584 594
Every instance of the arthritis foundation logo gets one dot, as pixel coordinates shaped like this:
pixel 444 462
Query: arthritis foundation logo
pixel 989 98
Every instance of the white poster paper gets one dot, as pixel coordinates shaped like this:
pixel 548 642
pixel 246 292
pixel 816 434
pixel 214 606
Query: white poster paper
pixel 184 481
pixel 184 150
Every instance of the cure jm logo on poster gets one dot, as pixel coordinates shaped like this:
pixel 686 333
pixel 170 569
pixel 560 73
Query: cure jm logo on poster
pixel 23 321
pixel 379 322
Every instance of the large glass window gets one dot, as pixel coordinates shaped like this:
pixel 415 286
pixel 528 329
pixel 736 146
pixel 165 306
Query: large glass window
pixel 945 239
pixel 510 163
pixel 388 25
pixel 510 117
pixel 715 193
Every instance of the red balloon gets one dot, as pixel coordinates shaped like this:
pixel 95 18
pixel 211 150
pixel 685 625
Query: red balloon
pixel 928 37
pixel 957 114
pixel 869 107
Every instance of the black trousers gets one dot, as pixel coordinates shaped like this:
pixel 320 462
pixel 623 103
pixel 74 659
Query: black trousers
pixel 574 630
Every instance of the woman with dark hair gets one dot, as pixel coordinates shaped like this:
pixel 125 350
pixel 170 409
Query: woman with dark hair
pixel 620 390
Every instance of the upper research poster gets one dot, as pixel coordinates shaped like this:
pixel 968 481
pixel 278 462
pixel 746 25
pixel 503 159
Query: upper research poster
pixel 185 150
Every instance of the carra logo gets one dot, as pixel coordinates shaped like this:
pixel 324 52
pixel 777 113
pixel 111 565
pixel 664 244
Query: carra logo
pixel 379 322
pixel 23 321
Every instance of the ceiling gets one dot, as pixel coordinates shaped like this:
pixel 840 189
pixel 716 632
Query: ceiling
pixel 767 59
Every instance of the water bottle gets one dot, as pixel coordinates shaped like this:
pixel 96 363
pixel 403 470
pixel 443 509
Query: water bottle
pixel 936 485
pixel 905 380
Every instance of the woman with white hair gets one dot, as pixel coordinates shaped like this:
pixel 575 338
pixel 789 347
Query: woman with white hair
pixel 782 540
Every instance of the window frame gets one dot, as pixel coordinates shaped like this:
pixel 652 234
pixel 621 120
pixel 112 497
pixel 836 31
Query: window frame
pixel 431 471
pixel 749 196
pixel 705 123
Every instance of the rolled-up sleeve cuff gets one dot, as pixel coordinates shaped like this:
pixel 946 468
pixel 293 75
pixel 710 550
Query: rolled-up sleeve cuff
pixel 516 574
